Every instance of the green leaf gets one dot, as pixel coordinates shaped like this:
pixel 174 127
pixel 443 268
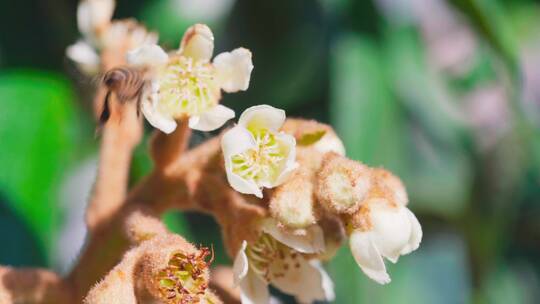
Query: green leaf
pixel 177 223
pixel 438 172
pixel 488 19
pixel 363 110
pixel 37 131
pixel 435 273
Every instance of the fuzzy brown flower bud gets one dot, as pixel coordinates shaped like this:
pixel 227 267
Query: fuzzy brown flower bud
pixel 342 184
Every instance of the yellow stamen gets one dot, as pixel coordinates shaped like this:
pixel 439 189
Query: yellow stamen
pixel 187 87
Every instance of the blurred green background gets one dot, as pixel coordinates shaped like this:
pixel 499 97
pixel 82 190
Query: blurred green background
pixel 444 93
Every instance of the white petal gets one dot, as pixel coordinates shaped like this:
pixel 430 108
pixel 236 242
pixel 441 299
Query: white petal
pixel 330 143
pixel 160 121
pixel 198 43
pixel 84 56
pixel 262 117
pixel 327 284
pixel 274 300
pixel 234 70
pixel 288 142
pixel 367 256
pixel 306 280
pixel 211 119
pixel 242 185
pixel 241 264
pixel 416 234
pixel 235 141
pixel 253 290
pixel 94 13
pixel 147 55
pixel 391 229
pixel 311 242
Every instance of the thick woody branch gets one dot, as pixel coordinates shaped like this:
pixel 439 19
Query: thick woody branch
pixel 164 267
pixel 194 181
pixel 221 280
pixel 33 286
pixel 165 149
pixel 120 135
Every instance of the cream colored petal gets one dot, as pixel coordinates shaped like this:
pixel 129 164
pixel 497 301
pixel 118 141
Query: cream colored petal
pixel 198 43
pixel 92 14
pixel 330 143
pixel 241 264
pixel 288 143
pixel 254 290
pixel 84 56
pixel 242 185
pixel 147 55
pixel 274 300
pixel 368 257
pixel 211 119
pixel 234 70
pixel 235 141
pixel 262 117
pixel 312 241
pixel 140 36
pixel 391 229
pixel 306 280
pixel 416 234
pixel 158 120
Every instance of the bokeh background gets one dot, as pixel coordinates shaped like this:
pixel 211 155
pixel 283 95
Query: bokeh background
pixel 444 93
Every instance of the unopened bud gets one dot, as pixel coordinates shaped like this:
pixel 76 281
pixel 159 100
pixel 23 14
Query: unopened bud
pixel 292 203
pixel 393 185
pixel 342 184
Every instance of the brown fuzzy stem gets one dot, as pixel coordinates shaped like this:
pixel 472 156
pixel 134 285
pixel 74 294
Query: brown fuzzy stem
pixel 195 181
pixel 167 148
pixel 33 286
pixel 221 280
pixel 120 135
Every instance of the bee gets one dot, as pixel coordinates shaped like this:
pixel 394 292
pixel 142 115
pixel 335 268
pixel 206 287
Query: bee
pixel 126 83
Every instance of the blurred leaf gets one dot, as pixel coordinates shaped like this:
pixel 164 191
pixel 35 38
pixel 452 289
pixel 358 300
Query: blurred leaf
pixel 289 41
pixel 170 18
pixel 177 223
pixel 503 285
pixel 363 111
pixel 439 174
pixel 206 232
pixel 37 131
pixel 487 18
pixel 162 16
pixel 19 245
pixel 436 273
pixel 141 164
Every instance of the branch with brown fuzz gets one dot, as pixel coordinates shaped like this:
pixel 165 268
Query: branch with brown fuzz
pixel 33 286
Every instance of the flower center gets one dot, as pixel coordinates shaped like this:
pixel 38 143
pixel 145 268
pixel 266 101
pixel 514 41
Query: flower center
pixel 183 280
pixel 261 163
pixel 187 87
pixel 270 259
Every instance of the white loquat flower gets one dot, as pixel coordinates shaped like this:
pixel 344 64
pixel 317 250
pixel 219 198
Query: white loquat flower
pixel 99 32
pixel 187 85
pixel 388 230
pixel 93 16
pixel 276 258
pixel 256 153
